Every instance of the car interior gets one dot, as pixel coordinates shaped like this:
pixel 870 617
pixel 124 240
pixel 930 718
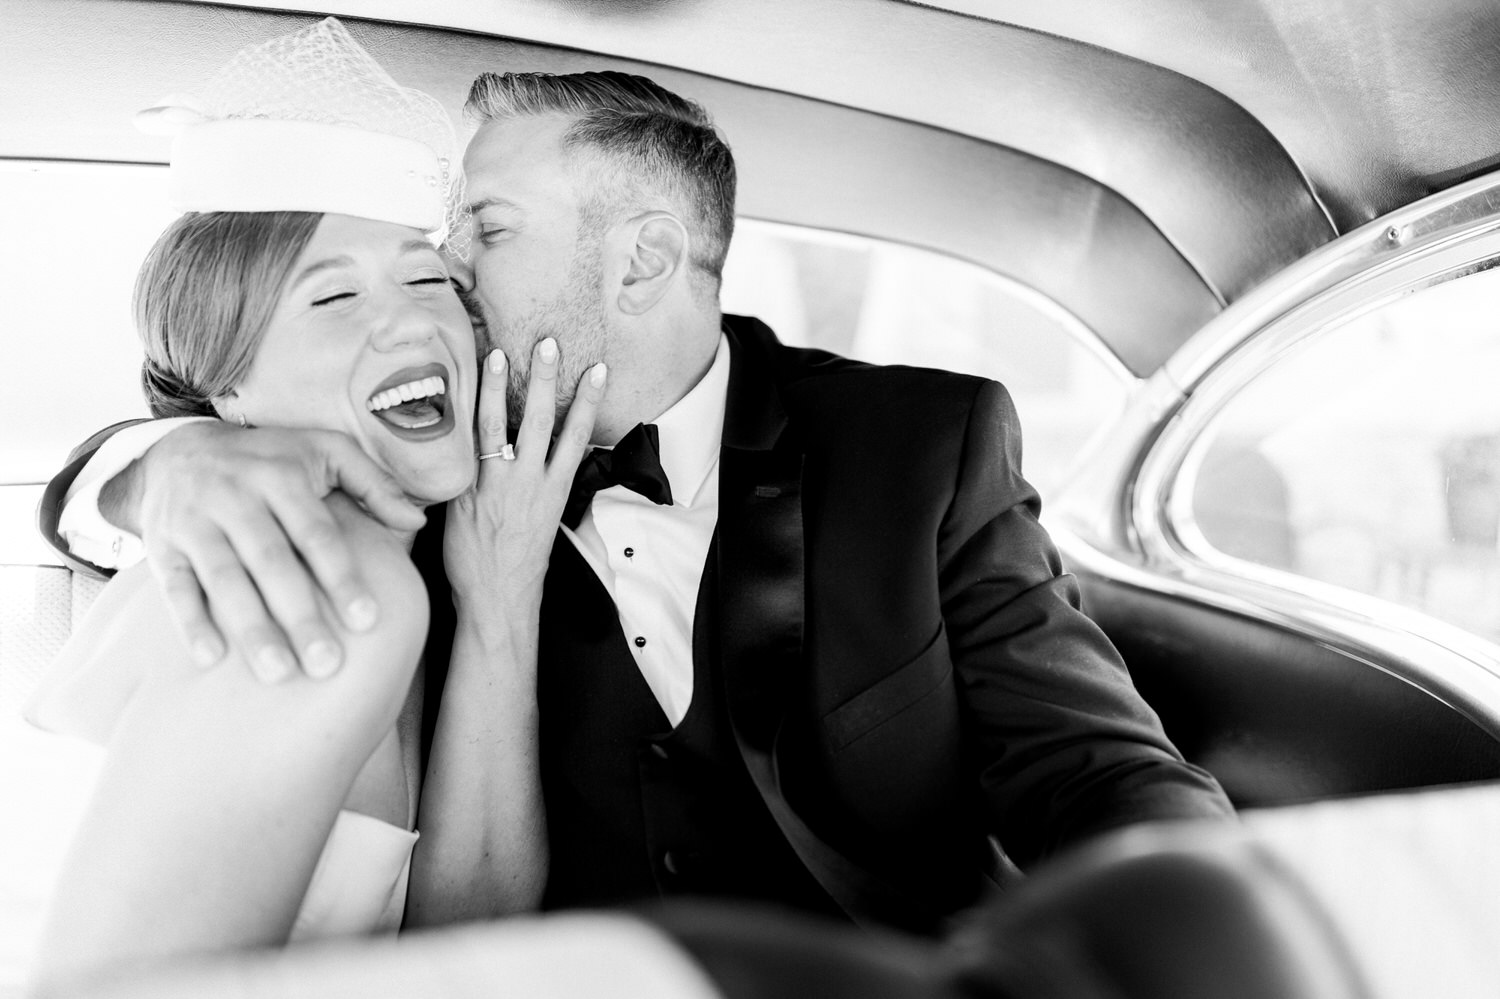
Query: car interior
pixel 1118 190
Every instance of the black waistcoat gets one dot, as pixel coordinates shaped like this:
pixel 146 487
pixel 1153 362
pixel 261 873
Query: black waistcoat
pixel 636 808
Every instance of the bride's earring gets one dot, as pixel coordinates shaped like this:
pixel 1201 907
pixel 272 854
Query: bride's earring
pixel 244 423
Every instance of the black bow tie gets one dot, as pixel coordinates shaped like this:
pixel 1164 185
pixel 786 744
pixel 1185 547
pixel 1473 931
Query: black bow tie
pixel 635 463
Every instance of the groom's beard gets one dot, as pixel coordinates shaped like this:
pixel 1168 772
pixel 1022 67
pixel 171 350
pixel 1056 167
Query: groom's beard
pixel 575 319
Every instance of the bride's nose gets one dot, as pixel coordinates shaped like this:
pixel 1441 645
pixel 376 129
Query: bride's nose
pixel 405 325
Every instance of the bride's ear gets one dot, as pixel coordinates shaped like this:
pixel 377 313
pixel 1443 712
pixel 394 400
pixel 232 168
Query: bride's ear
pixel 228 408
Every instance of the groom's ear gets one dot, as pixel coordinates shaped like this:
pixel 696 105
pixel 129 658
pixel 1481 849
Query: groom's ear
pixel 657 258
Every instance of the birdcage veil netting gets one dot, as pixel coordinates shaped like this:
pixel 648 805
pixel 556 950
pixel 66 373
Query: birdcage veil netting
pixel 321 74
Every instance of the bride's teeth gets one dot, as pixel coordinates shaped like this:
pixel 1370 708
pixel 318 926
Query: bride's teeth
pixel 423 388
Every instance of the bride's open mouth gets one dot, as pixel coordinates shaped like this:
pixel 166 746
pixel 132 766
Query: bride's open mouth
pixel 413 403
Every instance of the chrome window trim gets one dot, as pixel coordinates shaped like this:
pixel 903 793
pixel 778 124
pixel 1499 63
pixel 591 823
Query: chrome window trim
pixel 1440 239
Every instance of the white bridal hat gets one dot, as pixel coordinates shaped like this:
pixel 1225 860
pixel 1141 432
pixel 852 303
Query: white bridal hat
pixel 310 122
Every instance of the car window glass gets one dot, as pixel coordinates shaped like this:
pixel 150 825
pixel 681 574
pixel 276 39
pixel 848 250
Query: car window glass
pixel 77 235
pixel 1370 458
pixel 893 304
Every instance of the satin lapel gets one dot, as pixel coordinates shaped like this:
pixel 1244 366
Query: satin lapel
pixel 762 610
pixel 760 547
pixel 760 567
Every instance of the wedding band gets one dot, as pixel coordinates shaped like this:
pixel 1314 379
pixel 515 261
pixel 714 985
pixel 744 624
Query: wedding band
pixel 506 453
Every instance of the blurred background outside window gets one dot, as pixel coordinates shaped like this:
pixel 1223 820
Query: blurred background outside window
pixel 1369 457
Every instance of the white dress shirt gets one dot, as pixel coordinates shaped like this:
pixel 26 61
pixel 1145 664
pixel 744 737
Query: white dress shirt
pixel 649 557
pixel 88 535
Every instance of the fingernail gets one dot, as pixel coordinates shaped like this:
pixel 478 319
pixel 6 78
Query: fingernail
pixel 320 659
pixel 361 614
pixel 596 374
pixel 206 651
pixel 547 350
pixel 497 361
pixel 275 663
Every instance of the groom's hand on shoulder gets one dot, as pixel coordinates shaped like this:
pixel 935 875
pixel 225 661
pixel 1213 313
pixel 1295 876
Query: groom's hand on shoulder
pixel 245 548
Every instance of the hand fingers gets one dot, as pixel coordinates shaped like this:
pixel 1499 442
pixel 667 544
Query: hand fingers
pixel 236 605
pixel 541 403
pixel 578 426
pixel 188 607
pixel 347 467
pixel 287 589
pixel 316 537
pixel 492 386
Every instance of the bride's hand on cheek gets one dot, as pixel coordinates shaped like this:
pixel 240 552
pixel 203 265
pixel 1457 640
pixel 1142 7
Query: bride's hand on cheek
pixel 499 535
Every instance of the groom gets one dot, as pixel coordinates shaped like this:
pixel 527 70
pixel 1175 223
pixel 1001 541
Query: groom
pixel 831 658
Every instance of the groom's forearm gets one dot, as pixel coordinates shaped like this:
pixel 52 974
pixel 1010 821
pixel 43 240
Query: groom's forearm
pixel 483 851
pixel 91 514
pixel 120 498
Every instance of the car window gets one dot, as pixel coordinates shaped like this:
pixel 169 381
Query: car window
pixel 893 304
pixel 1369 458
pixel 75 235
pixel 78 233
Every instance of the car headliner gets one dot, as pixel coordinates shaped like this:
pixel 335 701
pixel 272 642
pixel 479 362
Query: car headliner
pixel 1141 169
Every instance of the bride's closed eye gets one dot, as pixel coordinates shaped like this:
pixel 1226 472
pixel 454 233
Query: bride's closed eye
pixel 332 298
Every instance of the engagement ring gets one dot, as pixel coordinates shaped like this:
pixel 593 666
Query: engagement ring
pixel 506 453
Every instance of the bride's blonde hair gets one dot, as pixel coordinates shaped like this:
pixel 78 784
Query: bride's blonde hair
pixel 203 298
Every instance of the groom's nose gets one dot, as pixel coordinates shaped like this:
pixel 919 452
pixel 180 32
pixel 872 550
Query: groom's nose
pixel 459 272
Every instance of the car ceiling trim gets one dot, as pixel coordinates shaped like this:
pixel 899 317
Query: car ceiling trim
pixel 804 161
pixel 1129 124
pixel 1380 268
pixel 1352 99
pixel 1454 215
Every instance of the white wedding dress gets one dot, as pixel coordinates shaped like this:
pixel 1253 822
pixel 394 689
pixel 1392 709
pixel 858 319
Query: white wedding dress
pixel 359 884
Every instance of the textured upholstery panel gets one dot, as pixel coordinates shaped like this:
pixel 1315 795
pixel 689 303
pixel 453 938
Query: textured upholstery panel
pixel 39 607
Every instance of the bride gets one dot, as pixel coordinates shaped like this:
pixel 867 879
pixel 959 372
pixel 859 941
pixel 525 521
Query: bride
pixel 301 289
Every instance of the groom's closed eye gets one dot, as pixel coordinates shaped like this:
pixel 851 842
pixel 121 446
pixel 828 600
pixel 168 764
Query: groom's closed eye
pixel 490 233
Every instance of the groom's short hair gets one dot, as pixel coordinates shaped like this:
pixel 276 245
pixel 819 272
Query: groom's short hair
pixel 645 139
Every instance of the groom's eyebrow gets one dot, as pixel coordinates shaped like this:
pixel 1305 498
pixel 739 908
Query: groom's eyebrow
pixel 481 205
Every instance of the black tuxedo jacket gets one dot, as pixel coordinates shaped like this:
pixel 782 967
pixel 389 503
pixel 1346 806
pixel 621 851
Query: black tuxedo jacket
pixel 907 668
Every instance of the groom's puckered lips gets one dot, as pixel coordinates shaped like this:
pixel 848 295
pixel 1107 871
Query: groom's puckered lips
pixel 413 402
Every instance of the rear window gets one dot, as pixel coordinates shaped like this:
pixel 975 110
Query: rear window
pixel 1369 458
